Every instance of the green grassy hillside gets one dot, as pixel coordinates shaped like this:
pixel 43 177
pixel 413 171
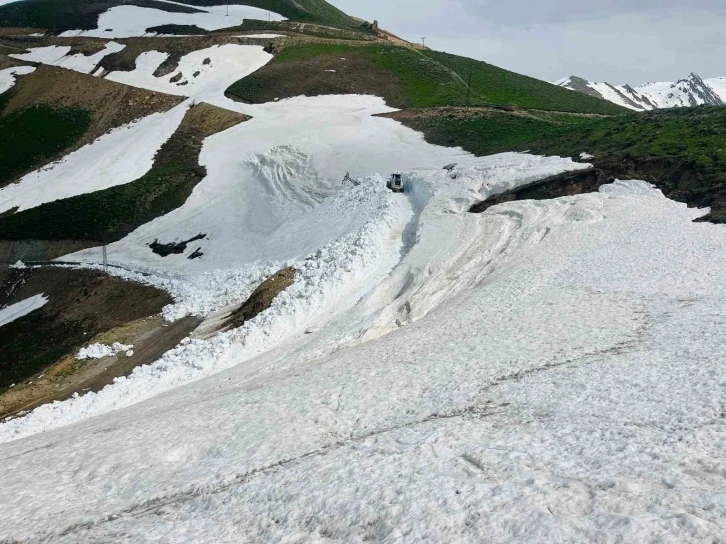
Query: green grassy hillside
pixel 65 14
pixel 406 78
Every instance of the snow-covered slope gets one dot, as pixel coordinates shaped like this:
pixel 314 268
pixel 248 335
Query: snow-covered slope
pixel 548 371
pixel 691 91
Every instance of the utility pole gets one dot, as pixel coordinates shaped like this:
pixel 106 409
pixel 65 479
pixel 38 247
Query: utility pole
pixel 105 258
pixel 227 9
pixel 423 42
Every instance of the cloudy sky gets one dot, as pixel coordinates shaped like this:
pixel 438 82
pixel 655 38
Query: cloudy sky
pixel 620 41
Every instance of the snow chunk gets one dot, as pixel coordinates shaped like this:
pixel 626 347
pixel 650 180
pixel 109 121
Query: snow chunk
pixel 586 156
pixel 99 351
pixel 22 308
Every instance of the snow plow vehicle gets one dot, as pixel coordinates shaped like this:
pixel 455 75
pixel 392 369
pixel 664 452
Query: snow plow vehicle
pixel 395 183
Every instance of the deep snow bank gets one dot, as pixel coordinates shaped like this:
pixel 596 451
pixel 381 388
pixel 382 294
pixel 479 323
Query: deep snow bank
pixel 568 390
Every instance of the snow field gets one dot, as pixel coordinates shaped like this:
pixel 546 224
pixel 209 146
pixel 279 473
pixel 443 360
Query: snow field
pixel 132 21
pixel 8 314
pixel 118 157
pixel 205 74
pixel 7 76
pixel 325 282
pixel 57 55
pixel 545 371
pixel 538 403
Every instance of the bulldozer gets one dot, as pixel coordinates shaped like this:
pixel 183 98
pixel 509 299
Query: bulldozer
pixel 395 183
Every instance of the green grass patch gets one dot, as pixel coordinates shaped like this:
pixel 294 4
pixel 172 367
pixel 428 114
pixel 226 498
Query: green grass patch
pixel 411 79
pixel 493 85
pixel 490 131
pixel 36 135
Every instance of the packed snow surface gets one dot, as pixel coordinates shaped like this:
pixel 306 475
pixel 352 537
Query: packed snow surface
pixel 57 55
pixel 132 21
pixel 99 351
pixel 8 76
pixel 120 156
pixel 559 379
pixel 8 314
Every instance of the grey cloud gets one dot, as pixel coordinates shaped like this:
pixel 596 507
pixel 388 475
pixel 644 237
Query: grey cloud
pixel 516 12
pixel 621 41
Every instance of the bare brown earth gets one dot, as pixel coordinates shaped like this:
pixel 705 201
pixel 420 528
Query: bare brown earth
pixel 201 121
pixel 262 297
pixel 110 104
pixel 82 304
pixel 151 338
pixel 12 251
pixel 19 43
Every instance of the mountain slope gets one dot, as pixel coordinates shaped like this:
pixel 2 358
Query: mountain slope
pixel 406 78
pixel 688 92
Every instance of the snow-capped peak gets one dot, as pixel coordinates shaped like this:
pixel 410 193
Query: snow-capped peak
pixel 690 91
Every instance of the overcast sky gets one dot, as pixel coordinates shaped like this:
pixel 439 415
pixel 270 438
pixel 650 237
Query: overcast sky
pixel 619 41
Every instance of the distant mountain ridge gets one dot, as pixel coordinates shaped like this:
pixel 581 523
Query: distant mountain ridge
pixel 691 91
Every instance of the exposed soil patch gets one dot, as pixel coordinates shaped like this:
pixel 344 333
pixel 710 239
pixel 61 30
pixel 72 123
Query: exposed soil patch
pixel 81 305
pixel 12 251
pixel 261 299
pixel 151 338
pixel 83 45
pixel 567 184
pixel 9 62
pixel 178 30
pixel 173 248
pixel 111 104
